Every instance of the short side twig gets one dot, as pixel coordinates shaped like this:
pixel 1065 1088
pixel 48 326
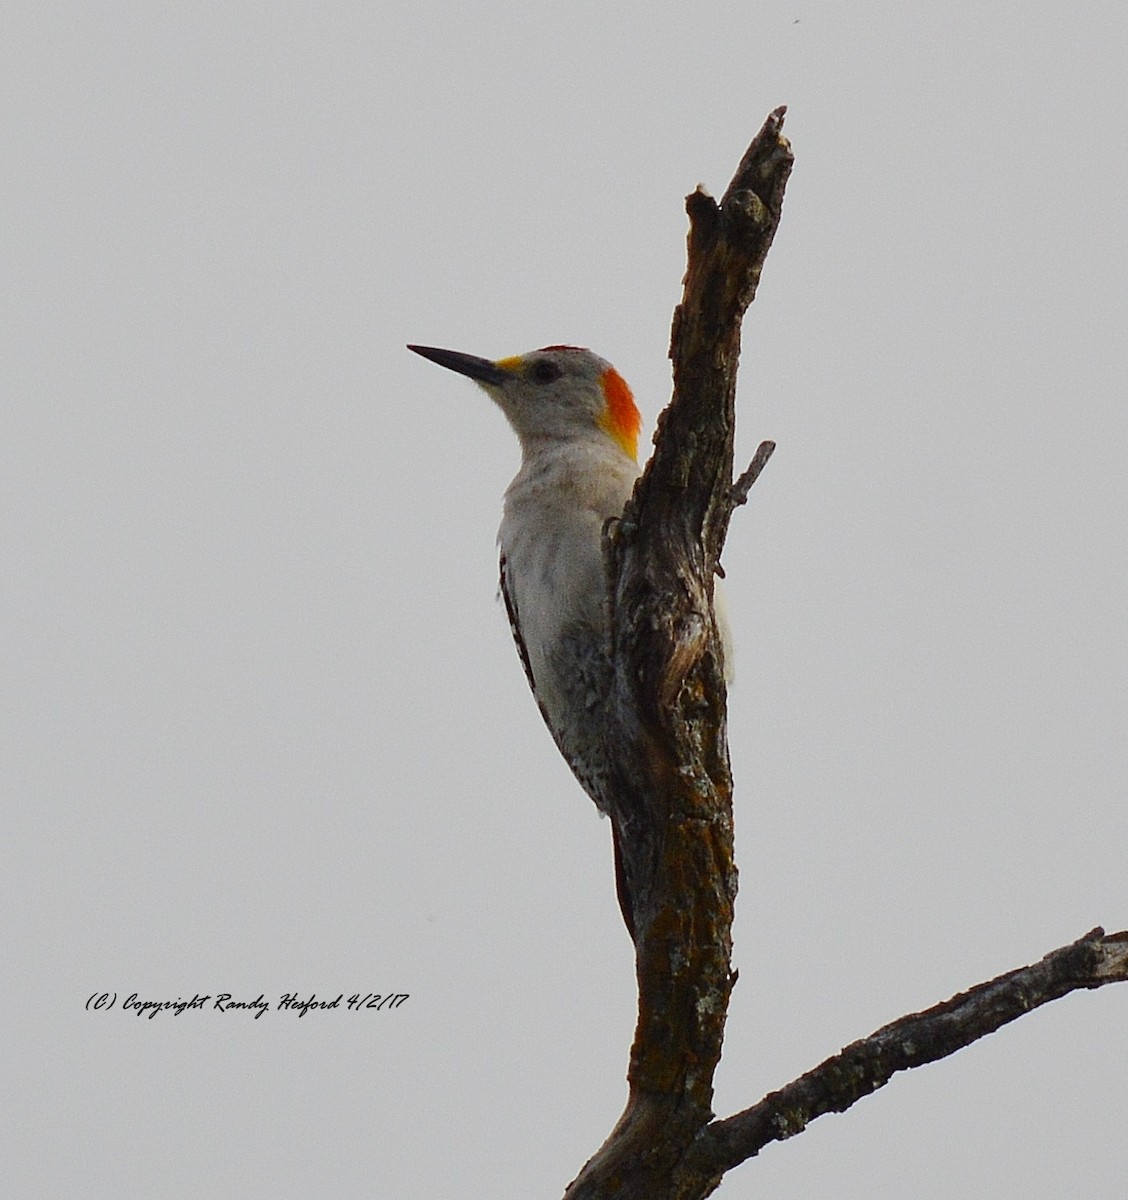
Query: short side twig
pixel 741 488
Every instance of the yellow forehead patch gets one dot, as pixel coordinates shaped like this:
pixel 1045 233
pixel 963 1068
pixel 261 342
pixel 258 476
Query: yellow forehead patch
pixel 509 364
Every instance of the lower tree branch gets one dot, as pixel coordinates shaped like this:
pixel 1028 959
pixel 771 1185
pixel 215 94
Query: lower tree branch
pixel 863 1067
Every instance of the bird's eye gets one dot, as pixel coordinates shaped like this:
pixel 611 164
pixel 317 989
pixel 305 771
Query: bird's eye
pixel 545 371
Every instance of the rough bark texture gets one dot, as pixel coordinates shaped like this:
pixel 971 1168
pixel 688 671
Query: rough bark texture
pixel 672 797
pixel 673 793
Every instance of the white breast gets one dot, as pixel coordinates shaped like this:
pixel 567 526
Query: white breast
pixel 554 582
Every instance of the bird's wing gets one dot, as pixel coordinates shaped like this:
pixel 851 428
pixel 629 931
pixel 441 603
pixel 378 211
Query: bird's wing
pixel 515 626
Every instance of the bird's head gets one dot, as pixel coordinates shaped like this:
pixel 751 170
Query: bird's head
pixel 558 393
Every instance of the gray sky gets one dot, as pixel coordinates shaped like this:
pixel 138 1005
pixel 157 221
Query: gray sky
pixel 265 729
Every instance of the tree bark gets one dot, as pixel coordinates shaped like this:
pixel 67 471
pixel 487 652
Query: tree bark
pixel 672 794
pixel 671 800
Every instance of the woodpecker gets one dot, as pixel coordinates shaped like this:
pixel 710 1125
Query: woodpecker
pixel 578 426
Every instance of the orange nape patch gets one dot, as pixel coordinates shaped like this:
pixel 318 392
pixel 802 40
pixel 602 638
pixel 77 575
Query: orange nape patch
pixel 622 419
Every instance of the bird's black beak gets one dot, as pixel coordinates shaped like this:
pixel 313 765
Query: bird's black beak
pixel 480 369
